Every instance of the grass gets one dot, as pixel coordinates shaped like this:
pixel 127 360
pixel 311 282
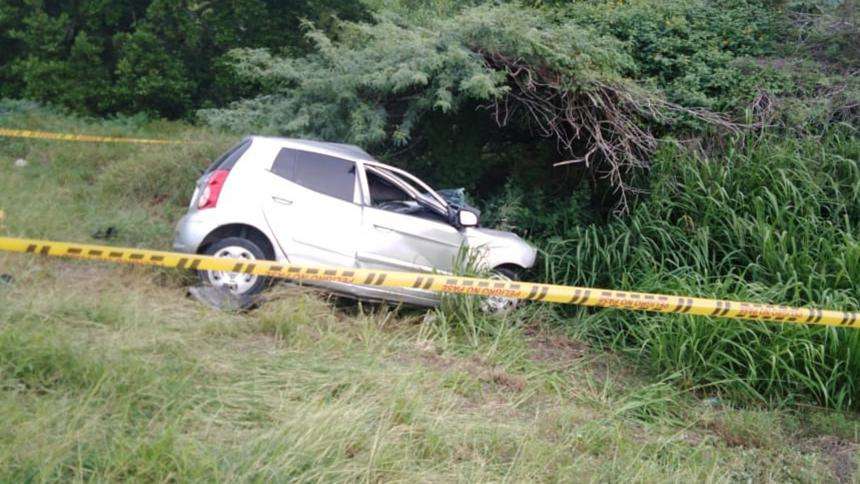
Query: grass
pixel 772 222
pixel 110 373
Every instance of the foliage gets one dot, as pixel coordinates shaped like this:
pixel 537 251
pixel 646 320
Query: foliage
pixel 773 222
pixel 382 76
pixel 690 49
pixel 159 56
pixel 375 82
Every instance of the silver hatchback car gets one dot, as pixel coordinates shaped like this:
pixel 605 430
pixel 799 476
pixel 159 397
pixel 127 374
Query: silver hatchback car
pixel 329 204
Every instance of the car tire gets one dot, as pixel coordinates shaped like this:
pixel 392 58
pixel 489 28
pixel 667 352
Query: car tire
pixel 497 305
pixel 239 284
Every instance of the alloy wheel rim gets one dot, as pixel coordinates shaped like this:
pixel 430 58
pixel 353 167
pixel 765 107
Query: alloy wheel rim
pixel 236 282
pixel 498 304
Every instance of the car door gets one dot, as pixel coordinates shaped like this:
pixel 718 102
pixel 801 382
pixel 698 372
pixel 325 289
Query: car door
pixel 313 209
pixel 399 233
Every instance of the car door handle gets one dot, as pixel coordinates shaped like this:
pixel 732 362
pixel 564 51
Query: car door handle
pixel 282 201
pixel 382 228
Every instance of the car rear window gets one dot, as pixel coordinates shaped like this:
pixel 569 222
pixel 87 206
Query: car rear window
pixel 229 159
pixel 325 174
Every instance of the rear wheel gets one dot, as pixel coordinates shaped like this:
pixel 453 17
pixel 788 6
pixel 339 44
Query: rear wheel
pixel 499 304
pixel 238 283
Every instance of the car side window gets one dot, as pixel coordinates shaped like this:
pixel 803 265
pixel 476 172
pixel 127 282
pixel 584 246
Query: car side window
pixel 385 195
pixel 383 192
pixel 324 174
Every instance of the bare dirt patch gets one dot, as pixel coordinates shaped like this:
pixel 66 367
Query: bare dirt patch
pixel 556 348
pixel 841 455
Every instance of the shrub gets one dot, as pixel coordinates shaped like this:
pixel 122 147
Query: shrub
pixel 773 222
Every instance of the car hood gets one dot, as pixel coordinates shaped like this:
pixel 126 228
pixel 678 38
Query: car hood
pixel 492 237
pixel 503 247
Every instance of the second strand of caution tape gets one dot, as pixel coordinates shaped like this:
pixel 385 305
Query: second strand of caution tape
pixel 32 134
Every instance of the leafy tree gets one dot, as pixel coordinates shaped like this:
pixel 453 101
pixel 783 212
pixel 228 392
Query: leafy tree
pixel 372 84
pixel 159 56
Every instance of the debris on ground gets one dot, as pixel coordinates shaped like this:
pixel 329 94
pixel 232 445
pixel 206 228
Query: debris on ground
pixel 6 279
pixel 221 299
pixel 21 163
pixel 106 233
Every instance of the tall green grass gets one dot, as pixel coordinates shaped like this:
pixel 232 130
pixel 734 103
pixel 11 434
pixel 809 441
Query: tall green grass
pixel 775 222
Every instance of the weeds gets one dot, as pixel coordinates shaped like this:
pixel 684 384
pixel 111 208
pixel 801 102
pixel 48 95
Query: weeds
pixel 776 222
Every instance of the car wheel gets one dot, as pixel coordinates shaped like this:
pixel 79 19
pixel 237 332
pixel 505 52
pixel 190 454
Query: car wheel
pixel 238 283
pixel 497 304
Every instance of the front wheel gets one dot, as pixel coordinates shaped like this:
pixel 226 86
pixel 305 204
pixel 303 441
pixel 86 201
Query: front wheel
pixel 499 305
pixel 238 283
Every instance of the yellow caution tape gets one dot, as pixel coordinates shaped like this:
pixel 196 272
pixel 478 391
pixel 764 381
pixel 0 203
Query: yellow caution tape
pixel 20 133
pixel 584 296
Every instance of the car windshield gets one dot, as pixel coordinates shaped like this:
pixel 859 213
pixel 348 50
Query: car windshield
pixel 455 197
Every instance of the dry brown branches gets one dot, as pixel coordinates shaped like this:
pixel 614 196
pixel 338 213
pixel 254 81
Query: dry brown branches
pixel 605 127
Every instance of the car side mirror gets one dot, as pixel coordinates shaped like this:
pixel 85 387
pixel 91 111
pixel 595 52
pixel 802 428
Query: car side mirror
pixel 467 218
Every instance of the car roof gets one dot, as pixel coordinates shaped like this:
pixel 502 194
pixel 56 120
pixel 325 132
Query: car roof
pixel 340 150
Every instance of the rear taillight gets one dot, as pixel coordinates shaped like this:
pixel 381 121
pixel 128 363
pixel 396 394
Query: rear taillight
pixel 209 196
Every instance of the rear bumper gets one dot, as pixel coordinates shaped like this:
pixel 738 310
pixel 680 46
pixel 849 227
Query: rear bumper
pixel 190 232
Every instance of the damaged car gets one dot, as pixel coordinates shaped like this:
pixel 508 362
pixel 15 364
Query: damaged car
pixel 331 204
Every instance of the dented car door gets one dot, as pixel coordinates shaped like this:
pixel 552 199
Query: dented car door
pixel 403 230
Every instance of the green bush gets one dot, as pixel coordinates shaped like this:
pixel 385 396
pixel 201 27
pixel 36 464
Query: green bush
pixel 158 56
pixel 775 222
pixel 690 48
